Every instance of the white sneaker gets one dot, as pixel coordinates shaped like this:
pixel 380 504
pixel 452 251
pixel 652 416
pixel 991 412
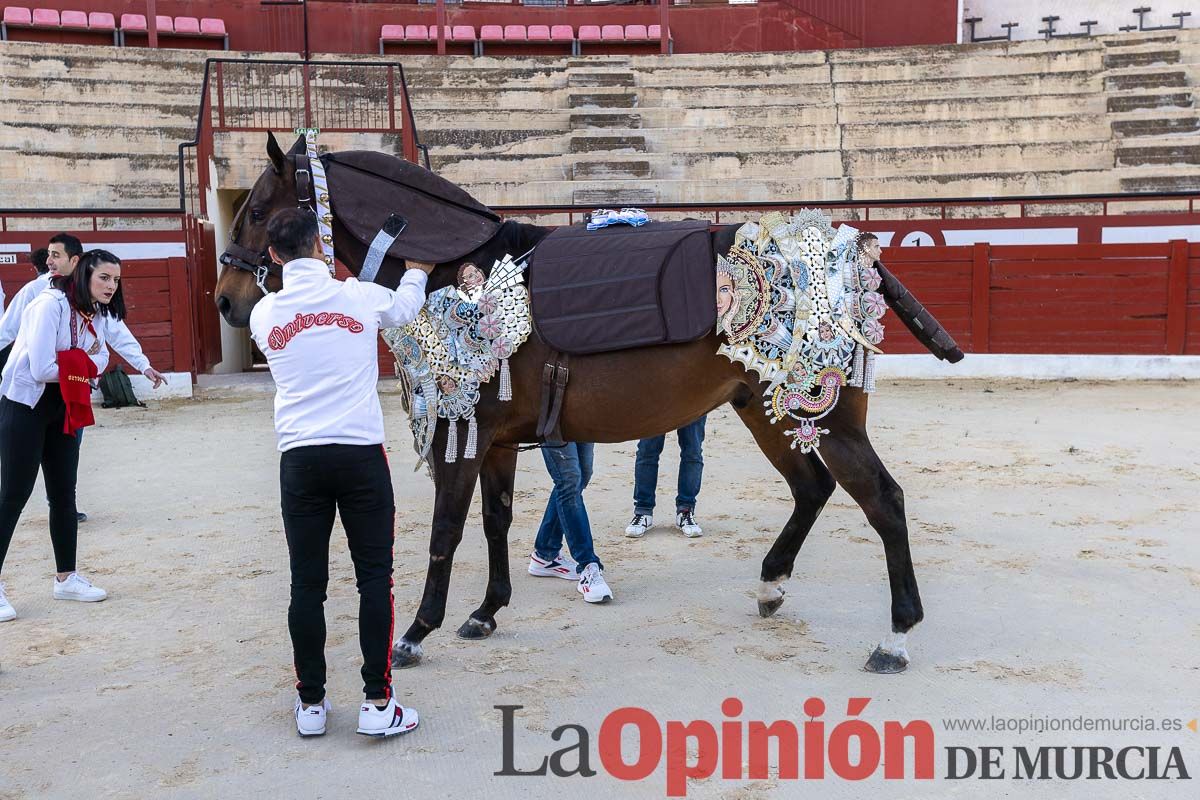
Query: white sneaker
pixel 7 612
pixel 592 585
pixel 387 721
pixel 562 567
pixel 686 522
pixel 77 587
pixel 311 721
pixel 638 527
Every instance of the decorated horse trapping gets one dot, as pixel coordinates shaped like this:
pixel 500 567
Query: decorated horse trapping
pixel 797 304
pixel 461 339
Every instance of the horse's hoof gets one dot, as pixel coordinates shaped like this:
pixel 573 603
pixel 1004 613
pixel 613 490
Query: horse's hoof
pixel 406 654
pixel 768 608
pixel 882 662
pixel 476 629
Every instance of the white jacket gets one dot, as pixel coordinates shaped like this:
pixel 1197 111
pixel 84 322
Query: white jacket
pixel 116 332
pixel 320 339
pixel 46 331
pixel 10 323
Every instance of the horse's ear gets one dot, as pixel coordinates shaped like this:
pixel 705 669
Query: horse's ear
pixel 278 159
pixel 299 148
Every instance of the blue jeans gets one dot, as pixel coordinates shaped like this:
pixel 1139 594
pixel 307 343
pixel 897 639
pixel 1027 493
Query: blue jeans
pixel 566 516
pixel 691 468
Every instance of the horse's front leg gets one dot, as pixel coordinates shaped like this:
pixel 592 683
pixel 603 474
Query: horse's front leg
pixel 496 484
pixel 858 469
pixel 455 483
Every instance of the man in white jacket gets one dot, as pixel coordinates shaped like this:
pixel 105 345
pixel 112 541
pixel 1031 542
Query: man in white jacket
pixel 320 338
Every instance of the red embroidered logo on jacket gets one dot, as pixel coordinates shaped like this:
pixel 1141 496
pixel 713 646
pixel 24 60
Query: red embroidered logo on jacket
pixel 279 337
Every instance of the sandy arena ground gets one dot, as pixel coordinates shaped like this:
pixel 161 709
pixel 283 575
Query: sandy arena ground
pixel 1054 533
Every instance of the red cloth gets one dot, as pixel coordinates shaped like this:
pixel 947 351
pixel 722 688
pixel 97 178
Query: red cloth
pixel 75 371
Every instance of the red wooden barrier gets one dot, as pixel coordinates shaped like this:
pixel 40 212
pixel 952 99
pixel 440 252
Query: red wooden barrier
pixel 1101 298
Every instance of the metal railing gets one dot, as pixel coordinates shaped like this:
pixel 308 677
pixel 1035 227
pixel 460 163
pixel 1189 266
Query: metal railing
pixel 249 95
pixel 934 208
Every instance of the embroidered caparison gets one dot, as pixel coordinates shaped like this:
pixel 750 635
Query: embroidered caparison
pixel 797 305
pixel 462 338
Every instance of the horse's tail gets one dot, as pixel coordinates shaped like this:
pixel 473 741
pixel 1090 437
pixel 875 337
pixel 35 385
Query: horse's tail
pixel 917 318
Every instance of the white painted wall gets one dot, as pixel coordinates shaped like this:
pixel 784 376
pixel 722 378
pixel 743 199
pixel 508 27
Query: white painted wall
pixel 1110 14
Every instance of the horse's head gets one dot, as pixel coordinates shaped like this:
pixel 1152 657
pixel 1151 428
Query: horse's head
pixel 249 272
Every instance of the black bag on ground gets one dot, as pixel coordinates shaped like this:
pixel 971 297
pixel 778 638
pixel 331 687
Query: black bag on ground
pixel 117 390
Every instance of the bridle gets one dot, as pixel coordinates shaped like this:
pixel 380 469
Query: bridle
pixel 260 264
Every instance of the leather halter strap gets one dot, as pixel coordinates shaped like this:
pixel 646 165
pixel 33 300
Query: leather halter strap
pixel 259 264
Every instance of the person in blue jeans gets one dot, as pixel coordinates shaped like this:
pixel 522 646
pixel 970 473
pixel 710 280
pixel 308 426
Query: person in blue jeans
pixel 645 481
pixel 570 466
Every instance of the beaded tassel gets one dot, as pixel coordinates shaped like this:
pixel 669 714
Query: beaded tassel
pixel 452 441
pixel 472 439
pixel 856 369
pixel 505 380
pixel 869 373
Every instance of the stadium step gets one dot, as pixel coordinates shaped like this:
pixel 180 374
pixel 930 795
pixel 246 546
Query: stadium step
pixel 1124 42
pixel 610 170
pixel 1175 154
pixel 1141 58
pixel 581 143
pixel 617 196
pixel 589 121
pixel 1147 80
pixel 593 78
pixel 1162 183
pixel 1156 126
pixel 602 100
pixel 1137 102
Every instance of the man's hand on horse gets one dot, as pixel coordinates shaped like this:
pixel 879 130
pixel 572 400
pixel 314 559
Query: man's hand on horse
pixel 156 377
pixel 426 268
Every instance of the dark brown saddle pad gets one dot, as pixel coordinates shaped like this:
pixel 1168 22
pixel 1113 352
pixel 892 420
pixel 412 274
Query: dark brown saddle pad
pixel 437 220
pixel 623 287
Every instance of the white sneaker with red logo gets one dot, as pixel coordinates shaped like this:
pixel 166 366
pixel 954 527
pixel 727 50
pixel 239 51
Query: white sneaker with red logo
pixel 563 566
pixel 592 585
pixel 311 721
pixel 390 720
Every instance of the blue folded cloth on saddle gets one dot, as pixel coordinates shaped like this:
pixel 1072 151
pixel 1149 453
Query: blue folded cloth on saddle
pixel 603 217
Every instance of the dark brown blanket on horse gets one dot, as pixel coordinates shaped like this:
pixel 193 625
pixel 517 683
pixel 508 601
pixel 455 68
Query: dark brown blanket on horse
pixel 431 219
pixel 622 287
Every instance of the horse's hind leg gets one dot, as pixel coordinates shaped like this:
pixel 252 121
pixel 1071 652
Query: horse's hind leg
pixel 857 468
pixel 810 484
pixel 496 483
pixel 455 484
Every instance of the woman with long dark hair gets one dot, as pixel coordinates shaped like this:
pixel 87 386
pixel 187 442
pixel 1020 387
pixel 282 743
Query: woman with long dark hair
pixel 73 312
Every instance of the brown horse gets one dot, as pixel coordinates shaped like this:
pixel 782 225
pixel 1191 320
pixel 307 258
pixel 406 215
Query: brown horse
pixel 607 402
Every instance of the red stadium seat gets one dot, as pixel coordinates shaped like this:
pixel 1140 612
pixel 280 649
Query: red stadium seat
pixel 76 20
pixel 463 33
pixel 589 33
pixel 45 18
pixel 213 27
pixel 514 33
pixel 539 33
pixel 187 25
pixel 636 33
pixel 612 33
pixel 133 22
pixel 164 24
pixel 562 33
pixel 491 33
pixel 416 33
pixel 101 21
pixel 14 15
